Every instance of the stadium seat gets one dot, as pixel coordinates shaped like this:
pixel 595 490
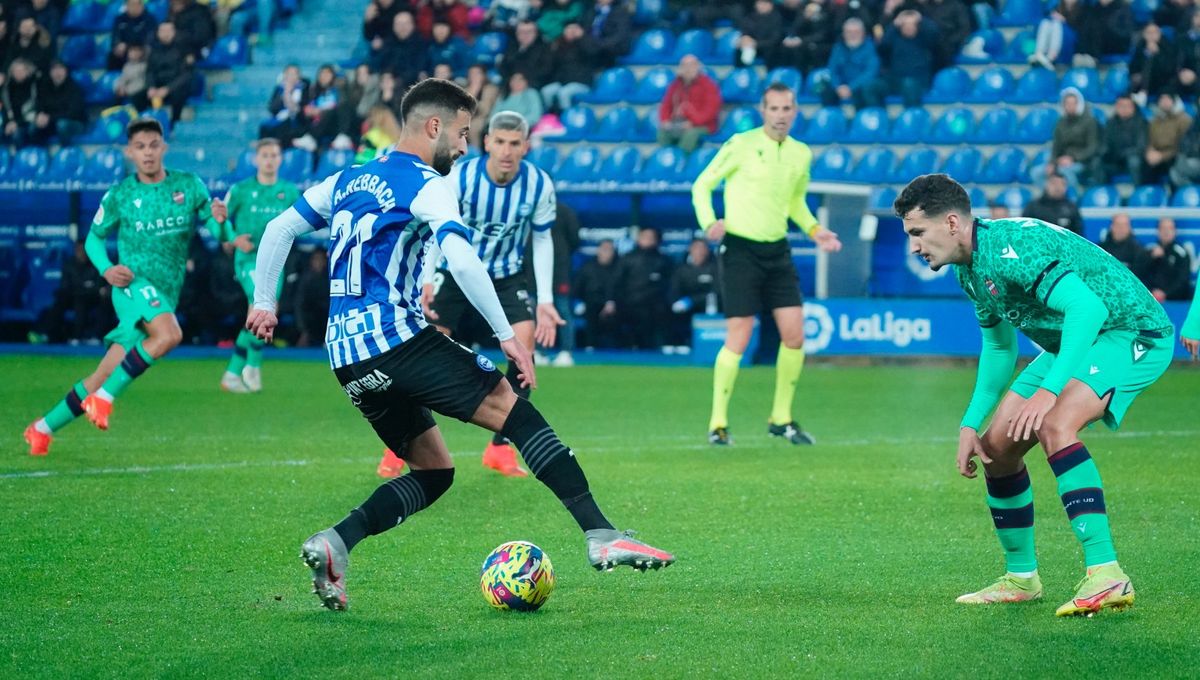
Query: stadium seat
pixel 1148 196
pixel 1086 80
pixel 695 42
pixel 163 116
pixel 738 120
pixel 993 85
pixel 297 165
pixel 741 86
pixel 611 87
pixel 78 51
pixel 648 11
pixel 696 162
pixel 652 47
pixel 1040 158
pixel 814 79
pixel 949 85
pixel 1020 13
pixel 112 10
pixel 875 167
pixel 833 165
pixel 826 127
pixel 1037 127
pixel 488 48
pixel 786 76
pixel 1015 199
pixel 621 165
pixel 953 127
pixel 332 161
pixel 29 163
pixel 1101 197
pixel 652 87
pixel 544 157
pixel 868 127
pixel 881 200
pixel 918 161
pixel 578 122
pixel 107 165
pixel 664 165
pixel 992 42
pixel 1186 197
pixel 580 165
pixel 799 126
pixel 977 197
pixel 1116 82
pixel 228 51
pixel 1019 48
pixel 963 164
pixel 245 165
pixel 722 52
pixel 1004 167
pixel 645 128
pixel 102 90
pixel 5 162
pixel 82 16
pixel 66 164
pixel 996 126
pixel 1036 86
pixel 615 126
pixel 910 127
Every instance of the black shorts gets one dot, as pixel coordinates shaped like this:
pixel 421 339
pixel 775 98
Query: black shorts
pixel 451 305
pixel 397 389
pixel 757 277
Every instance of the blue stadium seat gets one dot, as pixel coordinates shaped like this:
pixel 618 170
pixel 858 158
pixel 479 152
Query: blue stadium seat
pixel 918 161
pixel 645 128
pixel 1086 80
pixel 66 164
pixel 1037 127
pixel 106 165
pixel 993 45
pixel 544 157
pixel 163 116
pixel 578 122
pixel 78 51
pixel 615 125
pixel 1101 197
pixel 949 85
pixel 101 91
pixel 621 165
pixel 815 77
pixel 488 48
pixel 963 164
pixel 82 16
pixel 297 165
pixel 5 162
pixel 910 127
pixel 44 267
pixel 875 167
pixel 664 165
pixel 113 10
pixel 799 126
pixel 580 165
pixel 834 164
pixel 29 163
pixel 1004 167
pixel 826 127
pixel 993 85
pixel 1036 86
pixel 1020 13
pixel 1186 197
pixel 953 127
pixel 1148 196
pixel 696 162
pixel 1015 199
pixel 868 127
pixel 977 196
pixel 738 120
pixel 652 87
pixel 1116 82
pixel 332 161
pixel 741 86
pixel 228 51
pixel 245 165
pixel 696 42
pixel 881 199
pixel 1040 158
pixel 652 47
pixel 1019 48
pixel 611 86
pixel 722 52
pixel 648 11
pixel 787 76
pixel 996 126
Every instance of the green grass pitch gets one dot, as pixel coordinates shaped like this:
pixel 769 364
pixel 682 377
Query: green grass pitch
pixel 167 547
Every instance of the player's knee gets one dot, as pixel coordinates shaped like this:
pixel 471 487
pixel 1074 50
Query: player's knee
pixel 1055 434
pixel 794 343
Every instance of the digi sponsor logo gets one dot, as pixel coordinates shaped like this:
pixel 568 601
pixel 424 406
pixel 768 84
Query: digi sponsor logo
pixel 352 324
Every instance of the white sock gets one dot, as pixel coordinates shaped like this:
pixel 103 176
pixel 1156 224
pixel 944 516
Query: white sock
pixel 103 394
pixel 42 427
pixel 1024 574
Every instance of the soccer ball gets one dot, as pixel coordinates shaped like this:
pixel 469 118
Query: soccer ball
pixel 518 576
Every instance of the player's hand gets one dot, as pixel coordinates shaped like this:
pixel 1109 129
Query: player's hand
pixel 1029 419
pixel 519 355
pixel 546 325
pixel 716 231
pixel 969 446
pixel 118 275
pixel 427 302
pixel 243 243
pixel 1192 346
pixel 262 323
pixel 827 240
pixel 220 213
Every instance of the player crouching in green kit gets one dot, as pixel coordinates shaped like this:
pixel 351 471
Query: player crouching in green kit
pixel 252 203
pixel 154 214
pixel 1105 339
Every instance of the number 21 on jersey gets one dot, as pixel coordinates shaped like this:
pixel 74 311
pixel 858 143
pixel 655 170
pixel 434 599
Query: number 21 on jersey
pixel 345 257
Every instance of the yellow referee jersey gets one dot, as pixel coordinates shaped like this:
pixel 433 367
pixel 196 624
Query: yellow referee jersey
pixel 766 182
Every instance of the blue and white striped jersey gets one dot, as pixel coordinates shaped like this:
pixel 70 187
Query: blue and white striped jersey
pixel 500 217
pixel 381 216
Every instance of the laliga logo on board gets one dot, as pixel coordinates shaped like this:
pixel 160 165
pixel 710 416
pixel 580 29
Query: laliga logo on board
pixel 818 327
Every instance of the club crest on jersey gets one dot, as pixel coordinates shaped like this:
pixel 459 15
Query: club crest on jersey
pixel 177 197
pixel 485 363
pixel 991 286
pixel 279 196
pixel 525 210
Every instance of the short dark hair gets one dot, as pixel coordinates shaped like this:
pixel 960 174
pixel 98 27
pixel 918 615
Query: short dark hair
pixel 442 95
pixel 936 194
pixel 268 141
pixel 778 86
pixel 143 125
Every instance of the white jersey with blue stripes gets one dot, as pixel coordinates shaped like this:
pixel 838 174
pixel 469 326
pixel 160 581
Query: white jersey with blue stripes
pixel 382 216
pixel 500 217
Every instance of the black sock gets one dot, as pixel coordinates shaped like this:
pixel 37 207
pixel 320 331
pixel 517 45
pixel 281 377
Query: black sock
pixel 392 503
pixel 511 373
pixel 553 464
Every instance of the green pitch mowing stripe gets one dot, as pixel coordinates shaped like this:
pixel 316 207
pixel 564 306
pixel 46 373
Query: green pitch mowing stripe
pixel 168 546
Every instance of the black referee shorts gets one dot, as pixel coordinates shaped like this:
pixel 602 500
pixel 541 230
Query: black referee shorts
pixel 451 305
pixel 756 276
pixel 396 390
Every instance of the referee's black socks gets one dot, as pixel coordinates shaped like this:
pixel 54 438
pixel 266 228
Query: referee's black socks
pixel 553 463
pixel 392 503
pixel 513 379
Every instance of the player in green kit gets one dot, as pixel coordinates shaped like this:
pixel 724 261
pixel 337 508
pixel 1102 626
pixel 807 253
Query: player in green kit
pixel 1105 339
pixel 252 203
pixel 154 214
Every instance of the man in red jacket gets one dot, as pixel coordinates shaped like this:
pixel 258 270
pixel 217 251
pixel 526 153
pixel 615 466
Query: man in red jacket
pixel 690 108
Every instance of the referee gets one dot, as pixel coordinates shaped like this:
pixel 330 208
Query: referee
pixel 766 181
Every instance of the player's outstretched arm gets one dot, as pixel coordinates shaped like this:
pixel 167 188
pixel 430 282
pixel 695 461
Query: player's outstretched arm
pixel 277 241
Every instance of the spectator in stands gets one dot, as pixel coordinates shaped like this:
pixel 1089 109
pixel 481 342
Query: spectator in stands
pixel 998 210
pixel 194 27
pixel 528 54
pixel 1054 207
pixel 168 74
pixel 18 100
pixel 503 15
pixel 953 22
pixel 1106 28
pixel 690 108
pixel 1186 168
pixel 1123 245
pixel 611 25
pixel 450 12
pixel 287 108
pixel 1123 142
pixel 134 26
pixel 809 40
pixel 761 36
pixel 1051 34
pixel 61 110
pixel 447 48
pixel 566 242
pixel 83 294
pixel 384 94
pixel 328 114
pixel 358 88
pixel 1169 271
pixel 312 300
pixel 132 80
pixel 556 15
pixel 31 43
pixel 521 98
pixel 908 51
pixel 1154 68
pixel 693 291
pixel 1189 59
pixel 643 275
pixel 1167 129
pixel 377 26
pixel 573 56
pixel 382 131
pixel 405 55
pixel 262 14
pixel 1076 141
pixel 853 68
pixel 866 11
pixel 486 93
pixel 1174 14
pixel 595 288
